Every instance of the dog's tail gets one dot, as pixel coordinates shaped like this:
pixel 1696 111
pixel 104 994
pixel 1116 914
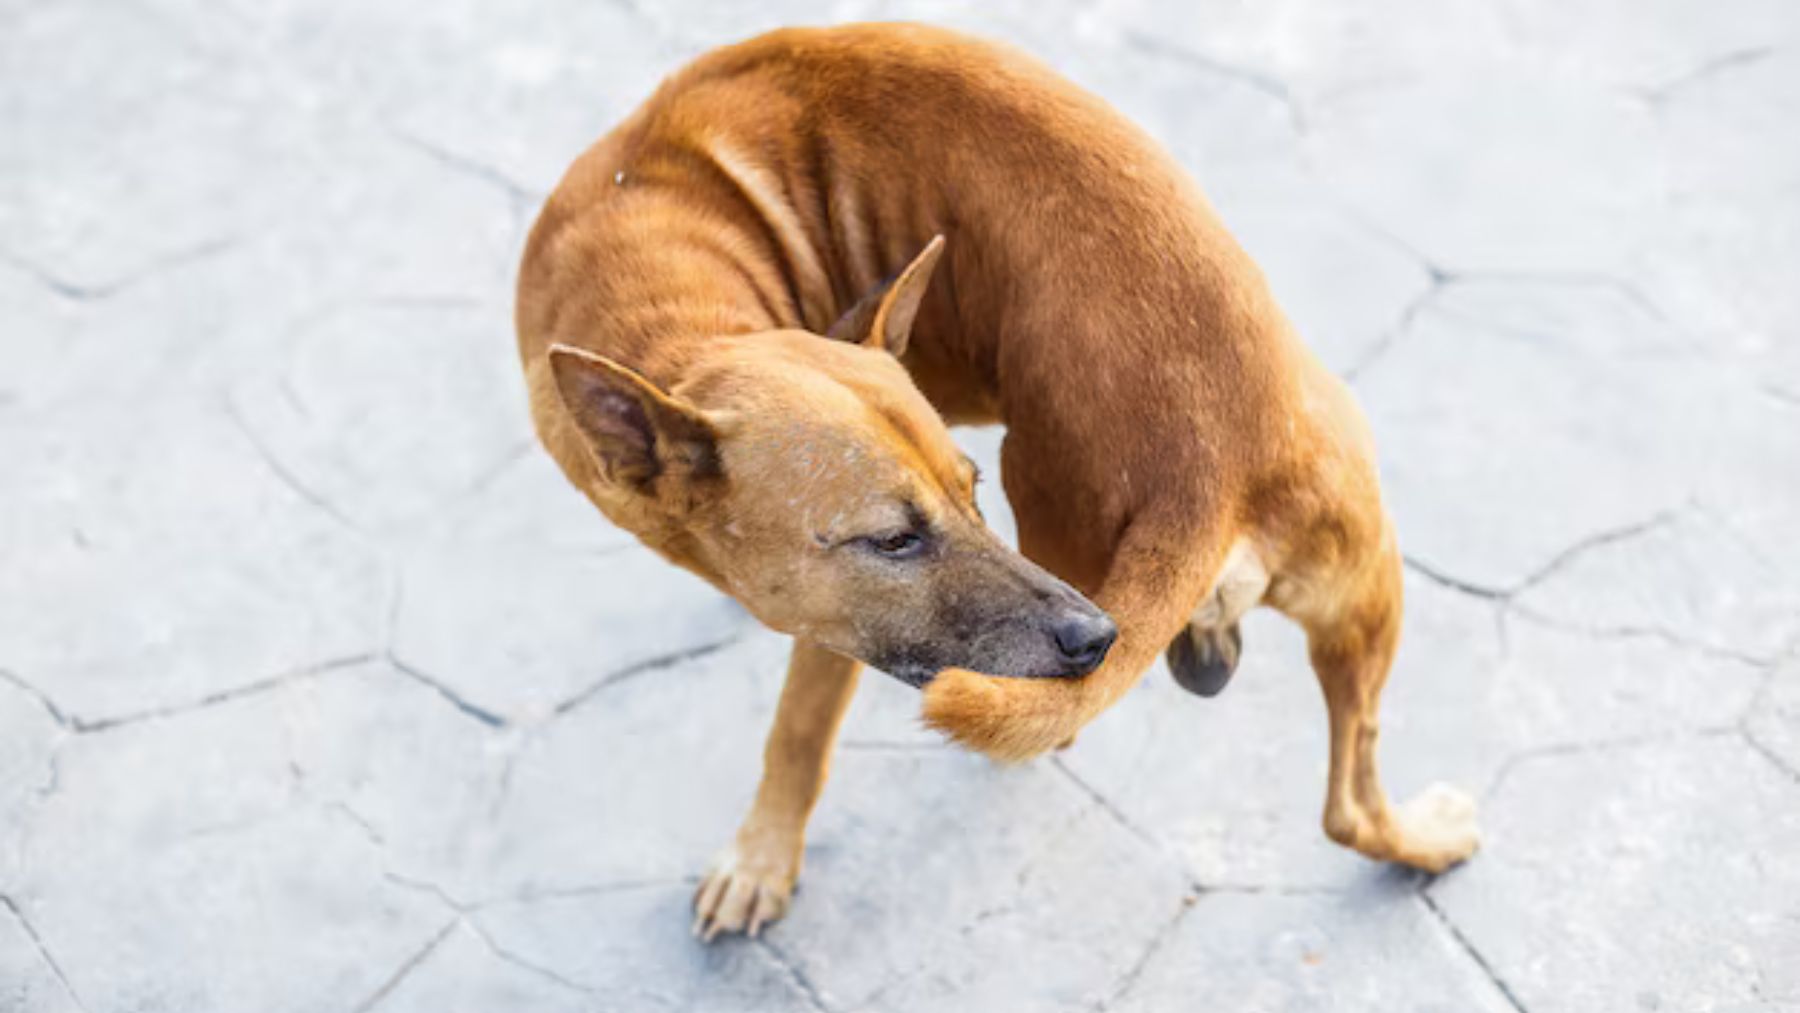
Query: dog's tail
pixel 1151 600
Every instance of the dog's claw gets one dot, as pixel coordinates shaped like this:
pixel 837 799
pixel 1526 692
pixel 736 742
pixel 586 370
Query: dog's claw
pixel 741 894
pixel 706 898
pixel 756 918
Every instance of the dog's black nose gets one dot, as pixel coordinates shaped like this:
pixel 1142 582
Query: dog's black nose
pixel 1084 640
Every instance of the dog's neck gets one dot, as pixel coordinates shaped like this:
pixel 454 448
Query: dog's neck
pixel 711 243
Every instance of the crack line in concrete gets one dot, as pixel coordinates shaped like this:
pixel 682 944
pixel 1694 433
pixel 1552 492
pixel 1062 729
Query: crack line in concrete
pixel 1598 539
pixel 494 719
pixel 1462 942
pixel 533 896
pixel 636 669
pixel 229 695
pixel 1441 278
pixel 407 968
pixel 390 623
pixel 1505 595
pixel 467 707
pixel 503 786
pixel 426 886
pixel 357 819
pixel 1780 394
pixel 7 902
pixel 1759 700
pixel 1660 95
pixel 465 915
pixel 1486 592
pixel 514 959
pixel 503 789
pixel 53 775
pixel 461 703
pixel 1773 757
pixel 1354 213
pixel 1625 288
pixel 88 292
pixel 529 730
pixel 56 713
pixel 1586 747
pixel 1442 275
pixel 1107 805
pixel 492 473
pixel 1439 282
pixel 78 725
pixel 1632 632
pixel 1132 974
pixel 795 975
pixel 517 193
pixel 1267 85
pixel 283 473
pixel 1275 890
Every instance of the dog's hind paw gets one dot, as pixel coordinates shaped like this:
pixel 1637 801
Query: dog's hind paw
pixel 1438 828
pixel 742 892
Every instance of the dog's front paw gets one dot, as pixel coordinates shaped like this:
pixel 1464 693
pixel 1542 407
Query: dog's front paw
pixel 744 889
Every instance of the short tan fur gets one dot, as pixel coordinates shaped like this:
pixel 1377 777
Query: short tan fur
pixel 986 243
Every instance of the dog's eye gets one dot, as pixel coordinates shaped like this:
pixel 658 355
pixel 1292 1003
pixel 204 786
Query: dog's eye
pixel 900 545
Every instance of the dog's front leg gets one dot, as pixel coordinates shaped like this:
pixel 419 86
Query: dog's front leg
pixel 749 882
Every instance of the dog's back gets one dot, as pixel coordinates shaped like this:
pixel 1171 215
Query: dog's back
pixel 778 179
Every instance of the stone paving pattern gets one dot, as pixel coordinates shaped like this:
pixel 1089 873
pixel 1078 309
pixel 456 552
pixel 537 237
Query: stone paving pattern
pixel 319 689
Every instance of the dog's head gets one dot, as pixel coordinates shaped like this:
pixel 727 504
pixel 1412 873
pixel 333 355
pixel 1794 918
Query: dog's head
pixel 812 481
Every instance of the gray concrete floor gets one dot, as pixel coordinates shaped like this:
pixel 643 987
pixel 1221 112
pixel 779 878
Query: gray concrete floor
pixel 320 691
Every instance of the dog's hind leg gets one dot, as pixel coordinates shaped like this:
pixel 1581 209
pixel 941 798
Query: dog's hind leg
pixel 749 882
pixel 1352 641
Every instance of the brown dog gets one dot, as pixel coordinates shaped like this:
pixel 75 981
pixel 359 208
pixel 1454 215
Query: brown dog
pixel 1172 451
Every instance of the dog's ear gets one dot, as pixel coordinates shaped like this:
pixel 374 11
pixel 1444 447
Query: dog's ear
pixel 638 432
pixel 884 317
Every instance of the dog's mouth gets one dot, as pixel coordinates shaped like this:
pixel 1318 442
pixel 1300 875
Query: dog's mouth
pixel 912 672
pixel 919 676
pixel 1068 646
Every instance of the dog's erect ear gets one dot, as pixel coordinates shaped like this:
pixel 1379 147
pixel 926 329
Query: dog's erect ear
pixel 637 431
pixel 884 317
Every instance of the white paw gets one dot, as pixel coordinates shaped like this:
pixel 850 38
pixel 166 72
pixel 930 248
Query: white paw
pixel 742 892
pixel 1439 827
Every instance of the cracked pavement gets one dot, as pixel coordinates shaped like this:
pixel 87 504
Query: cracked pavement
pixel 320 690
